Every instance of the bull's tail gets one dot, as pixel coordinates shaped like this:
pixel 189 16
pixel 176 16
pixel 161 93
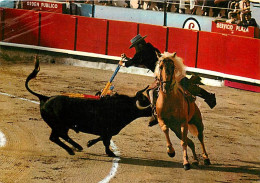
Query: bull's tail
pixel 33 75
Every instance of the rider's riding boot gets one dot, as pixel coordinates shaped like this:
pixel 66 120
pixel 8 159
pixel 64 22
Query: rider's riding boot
pixel 153 121
pixel 209 98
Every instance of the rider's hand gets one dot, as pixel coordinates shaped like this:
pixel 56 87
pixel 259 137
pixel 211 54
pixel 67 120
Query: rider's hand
pixel 121 63
pixel 123 55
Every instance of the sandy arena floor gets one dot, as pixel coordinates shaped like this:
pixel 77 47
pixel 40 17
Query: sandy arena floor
pixel 231 134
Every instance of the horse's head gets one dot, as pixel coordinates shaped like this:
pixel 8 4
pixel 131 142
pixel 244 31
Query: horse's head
pixel 170 71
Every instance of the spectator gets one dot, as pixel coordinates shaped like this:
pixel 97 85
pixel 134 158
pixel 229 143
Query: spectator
pixel 205 9
pixel 244 6
pixel 233 18
pixel 182 6
pixel 248 20
pixel 220 4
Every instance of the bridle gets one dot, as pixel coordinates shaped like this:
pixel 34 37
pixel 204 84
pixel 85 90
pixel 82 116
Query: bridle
pixel 170 82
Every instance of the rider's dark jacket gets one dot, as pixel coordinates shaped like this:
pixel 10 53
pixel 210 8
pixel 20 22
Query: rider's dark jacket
pixel 146 57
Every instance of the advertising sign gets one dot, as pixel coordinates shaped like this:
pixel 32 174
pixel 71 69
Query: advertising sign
pixel 226 28
pixel 43 6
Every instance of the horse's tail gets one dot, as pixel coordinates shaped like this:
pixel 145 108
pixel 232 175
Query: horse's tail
pixel 33 75
pixel 195 125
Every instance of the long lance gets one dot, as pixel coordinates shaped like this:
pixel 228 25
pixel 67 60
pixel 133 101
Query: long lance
pixel 105 90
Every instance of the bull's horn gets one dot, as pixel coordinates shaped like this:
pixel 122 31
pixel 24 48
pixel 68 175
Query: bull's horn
pixel 141 91
pixel 141 107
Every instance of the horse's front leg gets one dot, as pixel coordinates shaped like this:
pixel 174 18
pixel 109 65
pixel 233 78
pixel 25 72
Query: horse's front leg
pixel 165 129
pixel 184 140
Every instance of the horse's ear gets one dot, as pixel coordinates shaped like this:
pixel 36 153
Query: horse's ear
pixel 174 54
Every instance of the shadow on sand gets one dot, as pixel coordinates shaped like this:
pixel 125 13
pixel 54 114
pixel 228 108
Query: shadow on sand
pixel 232 168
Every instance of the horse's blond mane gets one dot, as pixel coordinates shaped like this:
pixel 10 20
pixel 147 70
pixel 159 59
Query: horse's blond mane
pixel 180 70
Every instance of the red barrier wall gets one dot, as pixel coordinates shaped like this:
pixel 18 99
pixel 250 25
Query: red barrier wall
pixel 212 51
pixel 156 35
pixel 1 22
pixel 235 55
pixel 184 43
pixel 229 54
pixel 21 26
pixel 57 30
pixel 91 35
pixel 242 86
pixel 242 57
pixel 119 36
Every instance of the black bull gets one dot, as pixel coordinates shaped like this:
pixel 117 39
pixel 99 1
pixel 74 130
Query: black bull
pixel 105 117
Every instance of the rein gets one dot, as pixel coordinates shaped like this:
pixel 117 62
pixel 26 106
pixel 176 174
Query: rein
pixel 166 82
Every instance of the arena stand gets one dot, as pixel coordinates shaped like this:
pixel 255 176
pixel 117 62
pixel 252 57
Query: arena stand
pixel 232 58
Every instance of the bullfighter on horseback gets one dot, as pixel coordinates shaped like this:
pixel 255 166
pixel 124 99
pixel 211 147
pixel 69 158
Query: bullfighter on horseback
pixel 146 55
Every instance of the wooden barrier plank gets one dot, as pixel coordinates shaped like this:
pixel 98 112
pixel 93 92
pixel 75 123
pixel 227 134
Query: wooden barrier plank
pixel 156 35
pixel 91 35
pixel 229 54
pixel 242 57
pixel 119 36
pixel 211 51
pixel 57 30
pixel 21 26
pixel 184 43
pixel 1 23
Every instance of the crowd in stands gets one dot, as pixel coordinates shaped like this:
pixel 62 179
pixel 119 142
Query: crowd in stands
pixel 240 13
pixel 230 11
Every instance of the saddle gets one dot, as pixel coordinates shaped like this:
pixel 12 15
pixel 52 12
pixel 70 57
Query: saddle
pixel 187 95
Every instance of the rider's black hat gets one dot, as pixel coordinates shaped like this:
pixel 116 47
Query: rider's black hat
pixel 137 39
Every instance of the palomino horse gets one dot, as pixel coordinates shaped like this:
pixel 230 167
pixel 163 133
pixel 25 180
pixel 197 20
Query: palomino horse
pixel 175 111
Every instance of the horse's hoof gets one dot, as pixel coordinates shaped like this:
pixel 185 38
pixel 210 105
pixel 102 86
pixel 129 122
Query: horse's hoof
pixel 207 162
pixel 171 154
pixel 186 166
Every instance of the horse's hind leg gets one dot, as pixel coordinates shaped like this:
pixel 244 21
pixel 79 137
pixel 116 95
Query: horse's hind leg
pixel 205 155
pixel 184 143
pixel 165 129
pixel 196 127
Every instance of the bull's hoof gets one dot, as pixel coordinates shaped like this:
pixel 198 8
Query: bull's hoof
pixel 186 166
pixel 207 162
pixel 71 152
pixel 171 154
pixel 111 154
pixel 79 148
